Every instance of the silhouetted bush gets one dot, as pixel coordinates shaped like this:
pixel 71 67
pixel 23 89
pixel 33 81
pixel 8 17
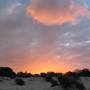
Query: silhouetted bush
pixel 51 80
pixel 51 74
pixel 83 72
pixel 19 81
pixel 80 86
pixel 59 74
pixel 48 78
pixel 7 72
pixel 24 75
pixel 74 74
pixel 53 83
pixel 43 75
pixel 64 82
pixel 36 75
pixel 70 81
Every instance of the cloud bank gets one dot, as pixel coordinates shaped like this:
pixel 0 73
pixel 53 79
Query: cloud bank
pixel 57 12
pixel 25 45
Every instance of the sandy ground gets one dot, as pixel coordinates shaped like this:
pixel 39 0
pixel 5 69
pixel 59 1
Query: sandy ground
pixel 86 82
pixel 36 84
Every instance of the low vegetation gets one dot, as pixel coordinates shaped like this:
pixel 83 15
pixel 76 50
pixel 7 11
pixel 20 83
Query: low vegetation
pixel 19 81
pixel 67 81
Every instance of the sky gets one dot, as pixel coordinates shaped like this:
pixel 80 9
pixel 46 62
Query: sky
pixel 45 35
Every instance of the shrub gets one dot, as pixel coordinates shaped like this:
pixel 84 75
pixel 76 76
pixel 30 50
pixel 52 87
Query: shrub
pixel 84 72
pixel 19 81
pixel 51 80
pixel 53 83
pixel 68 82
pixel 43 75
pixel 64 82
pixel 51 74
pixel 48 78
pixel 36 75
pixel 80 86
pixel 24 75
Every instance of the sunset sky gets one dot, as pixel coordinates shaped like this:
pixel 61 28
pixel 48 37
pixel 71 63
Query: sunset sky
pixel 45 35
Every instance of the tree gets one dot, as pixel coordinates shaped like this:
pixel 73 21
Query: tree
pixel 7 72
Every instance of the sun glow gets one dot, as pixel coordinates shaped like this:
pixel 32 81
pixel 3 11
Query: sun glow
pixel 47 65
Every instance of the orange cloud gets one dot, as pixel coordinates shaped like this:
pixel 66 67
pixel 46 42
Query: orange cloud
pixel 56 12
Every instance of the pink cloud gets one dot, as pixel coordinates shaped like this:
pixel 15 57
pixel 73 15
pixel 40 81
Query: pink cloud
pixel 56 12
